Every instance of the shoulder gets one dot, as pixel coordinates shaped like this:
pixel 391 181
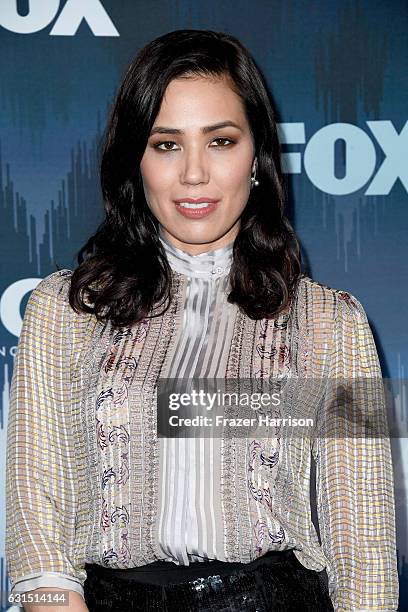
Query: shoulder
pixel 55 286
pixel 323 301
pixel 50 298
pixel 49 309
pixel 334 327
pixel 48 312
pixel 337 325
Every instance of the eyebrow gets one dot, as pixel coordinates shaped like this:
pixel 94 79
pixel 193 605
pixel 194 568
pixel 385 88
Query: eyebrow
pixel 205 130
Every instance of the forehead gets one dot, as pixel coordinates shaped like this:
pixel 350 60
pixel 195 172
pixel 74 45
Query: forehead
pixel 200 98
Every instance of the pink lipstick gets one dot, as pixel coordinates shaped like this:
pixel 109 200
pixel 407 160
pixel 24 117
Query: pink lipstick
pixel 196 208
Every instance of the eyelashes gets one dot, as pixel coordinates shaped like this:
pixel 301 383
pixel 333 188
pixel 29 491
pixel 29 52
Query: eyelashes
pixel 158 145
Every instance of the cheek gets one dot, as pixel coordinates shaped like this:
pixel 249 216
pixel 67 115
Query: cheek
pixel 235 180
pixel 234 171
pixel 156 177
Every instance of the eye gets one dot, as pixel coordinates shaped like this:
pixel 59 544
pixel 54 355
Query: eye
pixel 167 142
pixel 162 146
pixel 228 140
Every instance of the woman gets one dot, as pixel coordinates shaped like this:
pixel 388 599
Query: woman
pixel 195 273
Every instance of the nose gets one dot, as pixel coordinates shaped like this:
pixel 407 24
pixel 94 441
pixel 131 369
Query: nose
pixel 195 169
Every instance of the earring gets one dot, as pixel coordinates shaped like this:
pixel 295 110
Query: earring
pixel 254 182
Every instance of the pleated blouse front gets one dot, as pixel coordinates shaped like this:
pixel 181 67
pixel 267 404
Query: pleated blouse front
pixel 190 524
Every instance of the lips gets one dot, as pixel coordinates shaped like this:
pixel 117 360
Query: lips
pixel 196 209
pixel 196 200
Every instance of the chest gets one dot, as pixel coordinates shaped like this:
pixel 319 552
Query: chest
pixel 119 369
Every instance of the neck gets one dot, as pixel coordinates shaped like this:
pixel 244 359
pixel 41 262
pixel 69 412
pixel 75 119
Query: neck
pixel 208 264
pixel 198 249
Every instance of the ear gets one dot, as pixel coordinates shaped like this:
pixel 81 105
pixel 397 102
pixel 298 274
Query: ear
pixel 254 165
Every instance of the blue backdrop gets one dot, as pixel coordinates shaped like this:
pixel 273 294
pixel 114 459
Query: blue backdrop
pixel 338 72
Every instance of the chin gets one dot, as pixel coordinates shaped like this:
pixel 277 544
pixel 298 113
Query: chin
pixel 200 238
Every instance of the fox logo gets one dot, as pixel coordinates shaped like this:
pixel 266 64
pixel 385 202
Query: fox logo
pixel 42 12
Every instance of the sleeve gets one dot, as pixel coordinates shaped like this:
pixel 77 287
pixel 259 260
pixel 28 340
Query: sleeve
pixel 354 472
pixel 40 458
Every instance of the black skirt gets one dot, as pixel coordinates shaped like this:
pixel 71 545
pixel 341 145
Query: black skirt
pixel 275 582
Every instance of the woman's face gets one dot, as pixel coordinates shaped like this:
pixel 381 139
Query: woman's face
pixel 188 156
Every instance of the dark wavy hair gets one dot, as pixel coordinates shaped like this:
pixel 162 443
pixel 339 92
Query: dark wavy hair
pixel 123 273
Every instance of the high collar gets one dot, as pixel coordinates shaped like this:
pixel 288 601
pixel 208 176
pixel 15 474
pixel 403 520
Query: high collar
pixel 210 264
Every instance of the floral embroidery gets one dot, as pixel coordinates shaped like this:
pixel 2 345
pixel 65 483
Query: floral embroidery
pixel 264 354
pixel 262 532
pixel 272 349
pixel 107 475
pixel 112 432
pixel 123 472
pixel 124 550
pixel 119 433
pixel 100 435
pixel 121 515
pixel 105 516
pixel 261 494
pixel 109 556
pixel 283 354
pixel 348 298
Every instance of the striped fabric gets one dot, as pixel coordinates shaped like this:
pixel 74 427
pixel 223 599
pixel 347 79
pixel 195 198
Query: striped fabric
pixel 88 480
pixel 190 524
